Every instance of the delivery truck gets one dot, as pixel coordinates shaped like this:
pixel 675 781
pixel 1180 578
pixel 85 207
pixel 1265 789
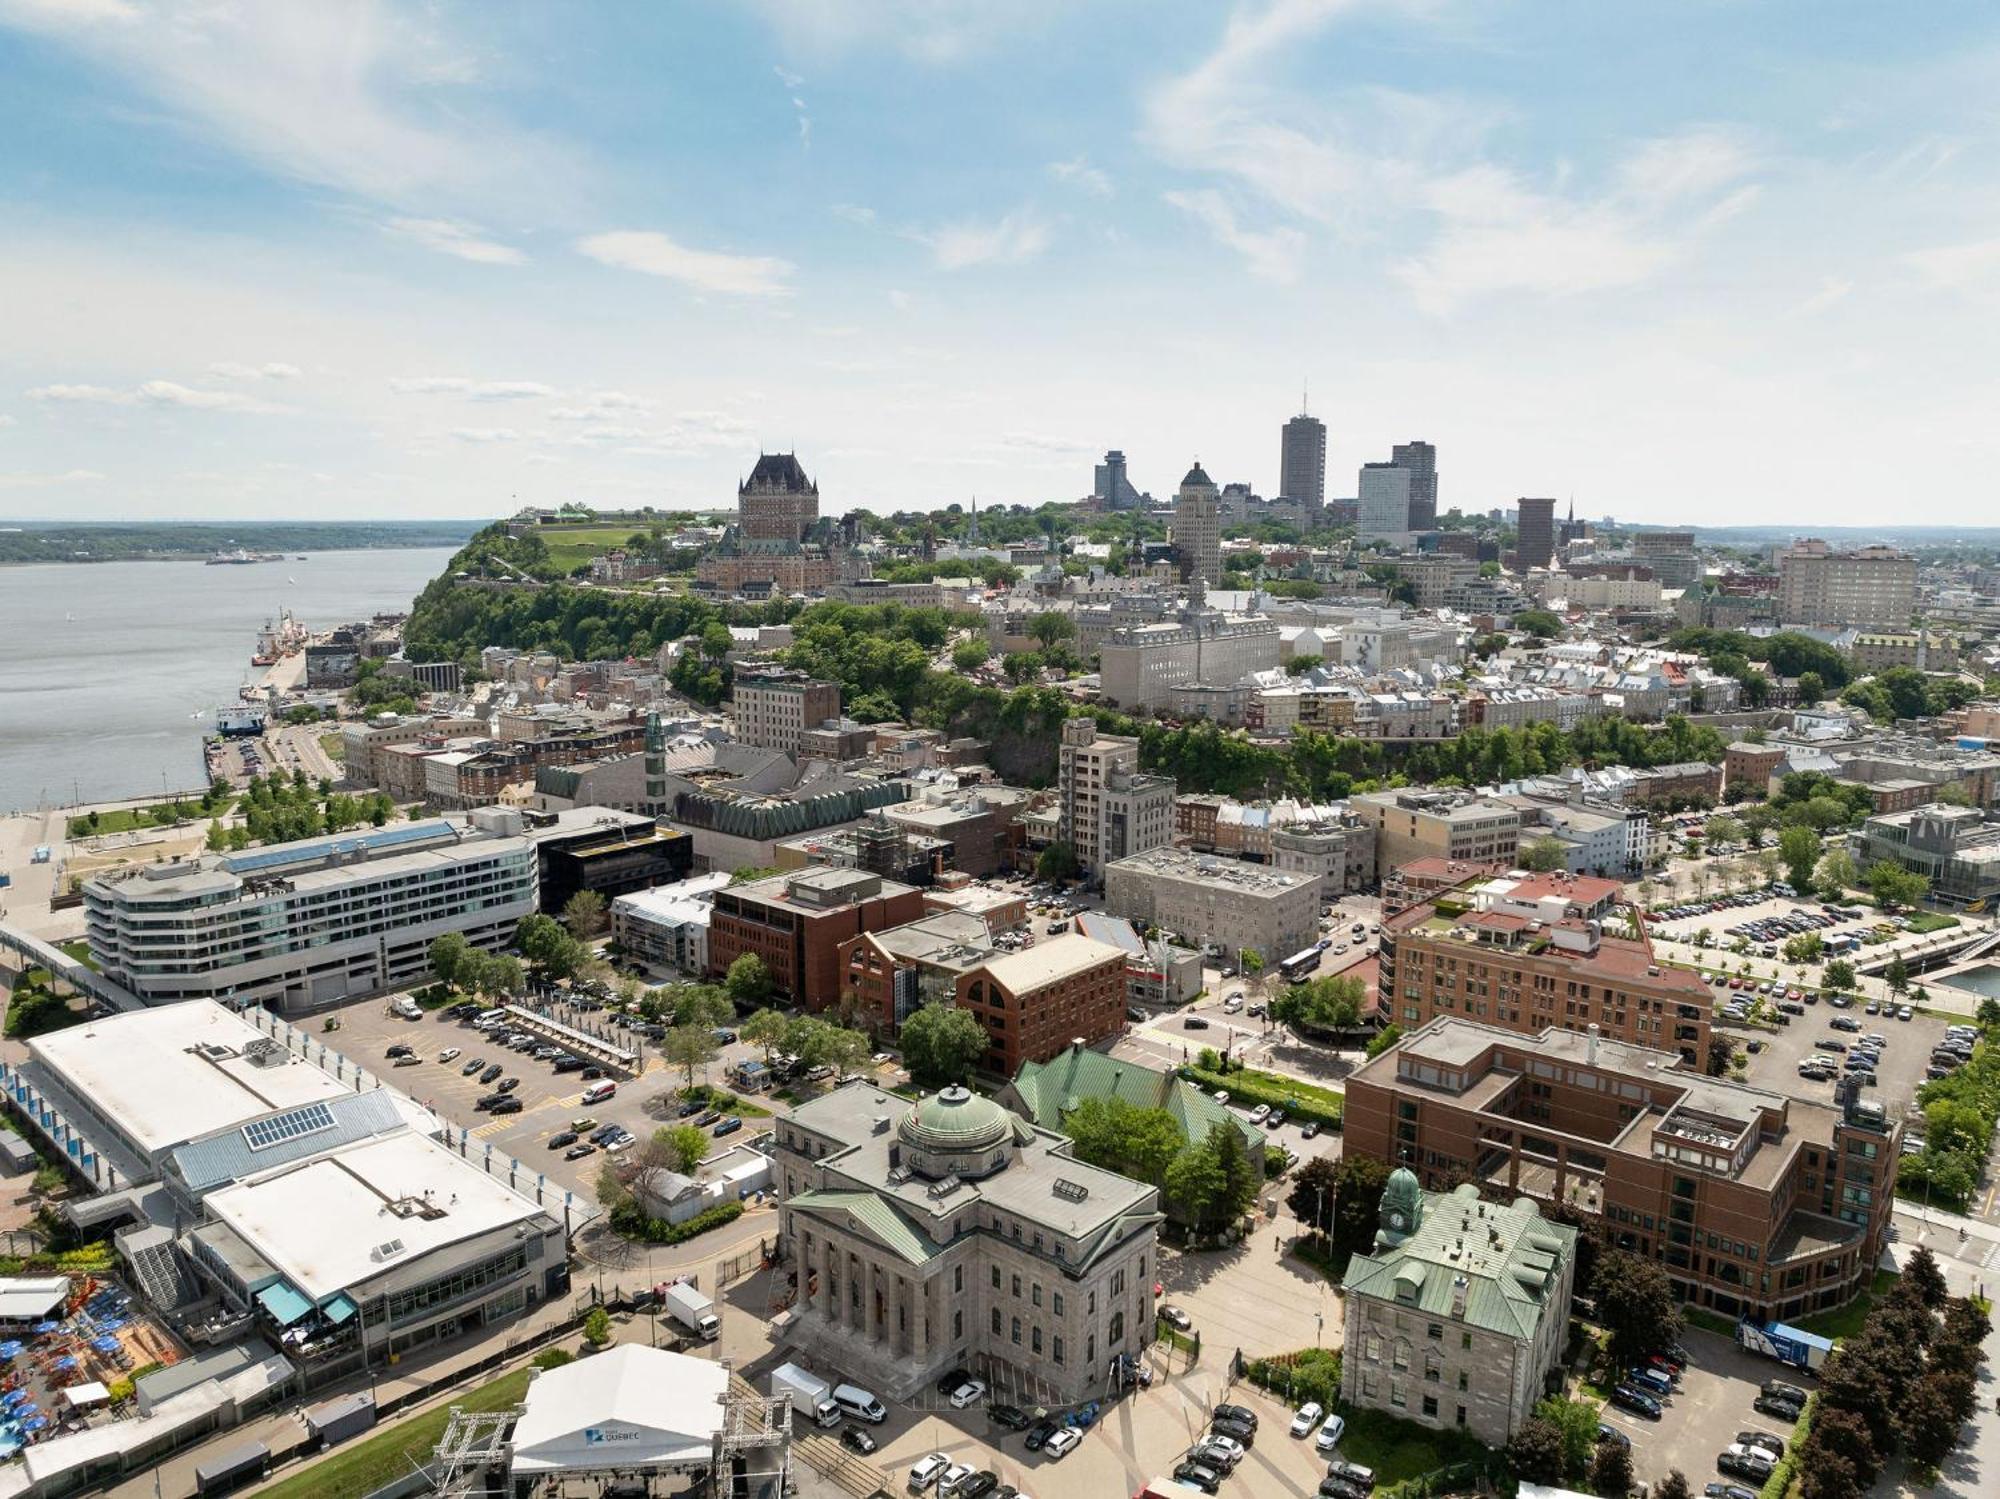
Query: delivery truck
pixel 693 1309
pixel 812 1397
pixel 1788 1345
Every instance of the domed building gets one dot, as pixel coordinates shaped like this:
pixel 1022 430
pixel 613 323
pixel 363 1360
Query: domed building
pixel 952 1233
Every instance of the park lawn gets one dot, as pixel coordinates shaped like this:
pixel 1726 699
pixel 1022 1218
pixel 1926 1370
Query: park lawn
pixel 125 819
pixel 333 745
pixel 1846 1321
pixel 1932 921
pixel 369 1464
pixel 81 952
pixel 1302 1099
pixel 572 546
pixel 1400 1450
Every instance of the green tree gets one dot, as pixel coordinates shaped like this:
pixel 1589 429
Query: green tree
pixel 1838 976
pixel 1838 874
pixel 1119 1136
pixel 1807 947
pixel 218 838
pixel 702 1005
pixel 1577 1421
pixel 1535 1451
pixel 1893 885
pixel 612 1193
pixel 1799 849
pixel 1924 1277
pixel 1812 687
pixel 1315 1192
pixel 1545 855
pixel 1332 1003
pixel 597 1327
pixel 1611 1468
pixel 1387 1037
pixel 1357 1207
pixel 684 1145
pixel 1673 1486
pixel 449 956
pixel 1897 975
pixel 748 982
pixel 1722 828
pixel 1635 1304
pixel 766 1030
pixel 544 943
pixel 750 874
pixel 688 1047
pixel 1539 623
pixel 583 914
pixel 941 1045
pixel 1057 864
pixel 1023 666
pixel 1212 1182
pixel 971 653
pixel 1049 627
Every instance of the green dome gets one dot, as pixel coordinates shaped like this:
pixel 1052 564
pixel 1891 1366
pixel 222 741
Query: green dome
pixel 955 1120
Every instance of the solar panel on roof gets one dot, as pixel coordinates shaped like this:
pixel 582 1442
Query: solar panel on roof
pixel 313 850
pixel 261 1134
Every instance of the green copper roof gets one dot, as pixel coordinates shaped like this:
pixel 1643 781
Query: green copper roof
pixel 1510 1259
pixel 874 1214
pixel 956 1119
pixel 1048 1090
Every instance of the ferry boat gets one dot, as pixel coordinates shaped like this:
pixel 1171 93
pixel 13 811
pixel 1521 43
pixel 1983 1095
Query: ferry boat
pixel 240 558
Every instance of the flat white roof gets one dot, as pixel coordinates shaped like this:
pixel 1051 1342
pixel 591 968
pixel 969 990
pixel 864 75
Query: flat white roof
pixel 323 1224
pixel 166 1075
pixel 1050 959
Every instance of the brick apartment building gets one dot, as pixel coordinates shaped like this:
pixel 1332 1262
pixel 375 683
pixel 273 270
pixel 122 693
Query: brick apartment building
pixel 1410 884
pixel 1751 765
pixel 1031 1003
pixel 1530 952
pixel 1688 783
pixel 1756 1204
pixel 774 711
pixel 797 922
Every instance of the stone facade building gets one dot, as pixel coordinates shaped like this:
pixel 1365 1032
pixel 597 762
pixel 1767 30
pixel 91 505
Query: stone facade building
pixel 1457 1318
pixel 953 1234
pixel 1208 899
pixel 1107 808
pixel 1198 527
pixel 775 710
pixel 777 502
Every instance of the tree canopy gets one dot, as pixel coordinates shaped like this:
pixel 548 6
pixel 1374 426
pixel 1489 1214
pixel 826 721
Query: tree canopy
pixel 941 1045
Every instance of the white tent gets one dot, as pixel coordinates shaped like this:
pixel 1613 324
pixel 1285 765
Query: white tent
pixel 627 1408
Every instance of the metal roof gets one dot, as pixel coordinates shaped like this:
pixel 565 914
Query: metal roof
pixel 228 1155
pixel 877 1216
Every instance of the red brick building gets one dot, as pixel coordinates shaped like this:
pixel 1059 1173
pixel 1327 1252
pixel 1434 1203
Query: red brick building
pixel 1756 1204
pixel 796 923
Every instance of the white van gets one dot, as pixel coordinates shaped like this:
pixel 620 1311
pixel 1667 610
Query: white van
pixel 598 1092
pixel 859 1403
pixel 406 1008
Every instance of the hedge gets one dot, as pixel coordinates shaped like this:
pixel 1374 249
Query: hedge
pixel 1780 1481
pixel 633 1223
pixel 1309 1374
pixel 1300 1101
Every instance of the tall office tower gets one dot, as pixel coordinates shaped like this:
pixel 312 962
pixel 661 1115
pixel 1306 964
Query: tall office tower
pixel 1111 485
pixel 1670 554
pixel 1873 585
pixel 777 502
pixel 1420 458
pixel 1302 462
pixel 1198 526
pixel 1384 502
pixel 1535 542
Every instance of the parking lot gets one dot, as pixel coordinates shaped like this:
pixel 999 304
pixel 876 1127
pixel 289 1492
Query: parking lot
pixel 550 1101
pixel 1711 1404
pixel 1906 1051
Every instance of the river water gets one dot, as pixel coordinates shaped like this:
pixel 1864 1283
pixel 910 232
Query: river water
pixel 104 664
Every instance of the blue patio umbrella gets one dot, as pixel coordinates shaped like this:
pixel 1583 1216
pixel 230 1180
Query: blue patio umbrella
pixel 105 1344
pixel 35 1423
pixel 67 1361
pixel 44 1328
pixel 12 1349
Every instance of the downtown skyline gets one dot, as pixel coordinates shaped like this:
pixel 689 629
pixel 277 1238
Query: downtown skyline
pixel 277 261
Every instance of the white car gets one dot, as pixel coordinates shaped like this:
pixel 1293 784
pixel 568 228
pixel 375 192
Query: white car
pixel 449 1054
pixel 1306 1418
pixel 1259 1114
pixel 956 1477
pixel 1063 1442
pixel 1330 1434
pixel 925 1471
pixel 1227 1448
pixel 970 1393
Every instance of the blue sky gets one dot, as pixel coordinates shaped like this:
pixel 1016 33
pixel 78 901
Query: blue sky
pixel 1690 262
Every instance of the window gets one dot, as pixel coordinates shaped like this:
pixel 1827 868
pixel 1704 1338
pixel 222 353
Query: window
pixel 1430 1405
pixel 996 1277
pixel 1035 1340
pixel 1035 1295
pixel 1090 1306
pixel 1017 1331
pixel 1058 1303
pixel 1056 1348
pixel 1117 1334
pixel 1463 1382
pixel 1398 1397
pixel 1435 1332
pixel 996 1321
pixel 958 1277
pixel 1465 1342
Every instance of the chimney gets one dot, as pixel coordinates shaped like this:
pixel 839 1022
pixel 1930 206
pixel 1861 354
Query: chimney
pixel 1592 1053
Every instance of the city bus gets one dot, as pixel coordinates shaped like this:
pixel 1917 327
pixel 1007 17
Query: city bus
pixel 1300 966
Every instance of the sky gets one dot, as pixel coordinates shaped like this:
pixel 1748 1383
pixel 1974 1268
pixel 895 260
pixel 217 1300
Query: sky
pixel 1707 261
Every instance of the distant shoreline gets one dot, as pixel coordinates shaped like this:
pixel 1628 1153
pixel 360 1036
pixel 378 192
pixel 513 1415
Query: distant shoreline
pixel 426 544
pixel 198 541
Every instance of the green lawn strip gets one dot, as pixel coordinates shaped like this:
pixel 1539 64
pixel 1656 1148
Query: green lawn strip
pixel 368 1465
pixel 1846 1321
pixel 81 952
pixel 333 746
pixel 1401 1450
pixel 1714 1322
pixel 723 1099
pixel 1300 1100
pixel 1932 921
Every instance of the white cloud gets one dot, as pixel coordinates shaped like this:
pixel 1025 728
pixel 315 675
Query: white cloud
pixel 5 420
pixel 1962 268
pixel 225 369
pixel 450 238
pixel 931 31
pixel 472 390
pixel 654 254
pixel 154 393
pixel 598 406
pixel 785 76
pixel 47 481
pixel 365 97
pixel 1832 289
pixel 1079 173
pixel 1040 442
pixel 854 213
pixel 485 434
pixel 1273 253
pixel 1010 240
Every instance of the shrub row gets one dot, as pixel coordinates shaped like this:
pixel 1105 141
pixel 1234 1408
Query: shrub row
pixel 1300 1101
pixel 631 1221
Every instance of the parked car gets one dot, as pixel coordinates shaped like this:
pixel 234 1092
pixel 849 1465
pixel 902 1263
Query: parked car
pixel 1774 1445
pixel 927 1470
pixel 1218 1452
pixel 491 1074
pixel 1361 1477
pixel 1241 1414
pixel 1176 1318
pixel 561 1138
pixel 449 1054
pixel 1631 1398
pixel 1306 1418
pixel 970 1392
pixel 578 1151
pixel 399 1050
pixel 1727 1491
pixel 729 1126
pixel 1065 1441
pixel 1198 1475
pixel 857 1440
pixel 472 1066
pixel 1039 1433
pixel 1012 1417
pixel 1330 1434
